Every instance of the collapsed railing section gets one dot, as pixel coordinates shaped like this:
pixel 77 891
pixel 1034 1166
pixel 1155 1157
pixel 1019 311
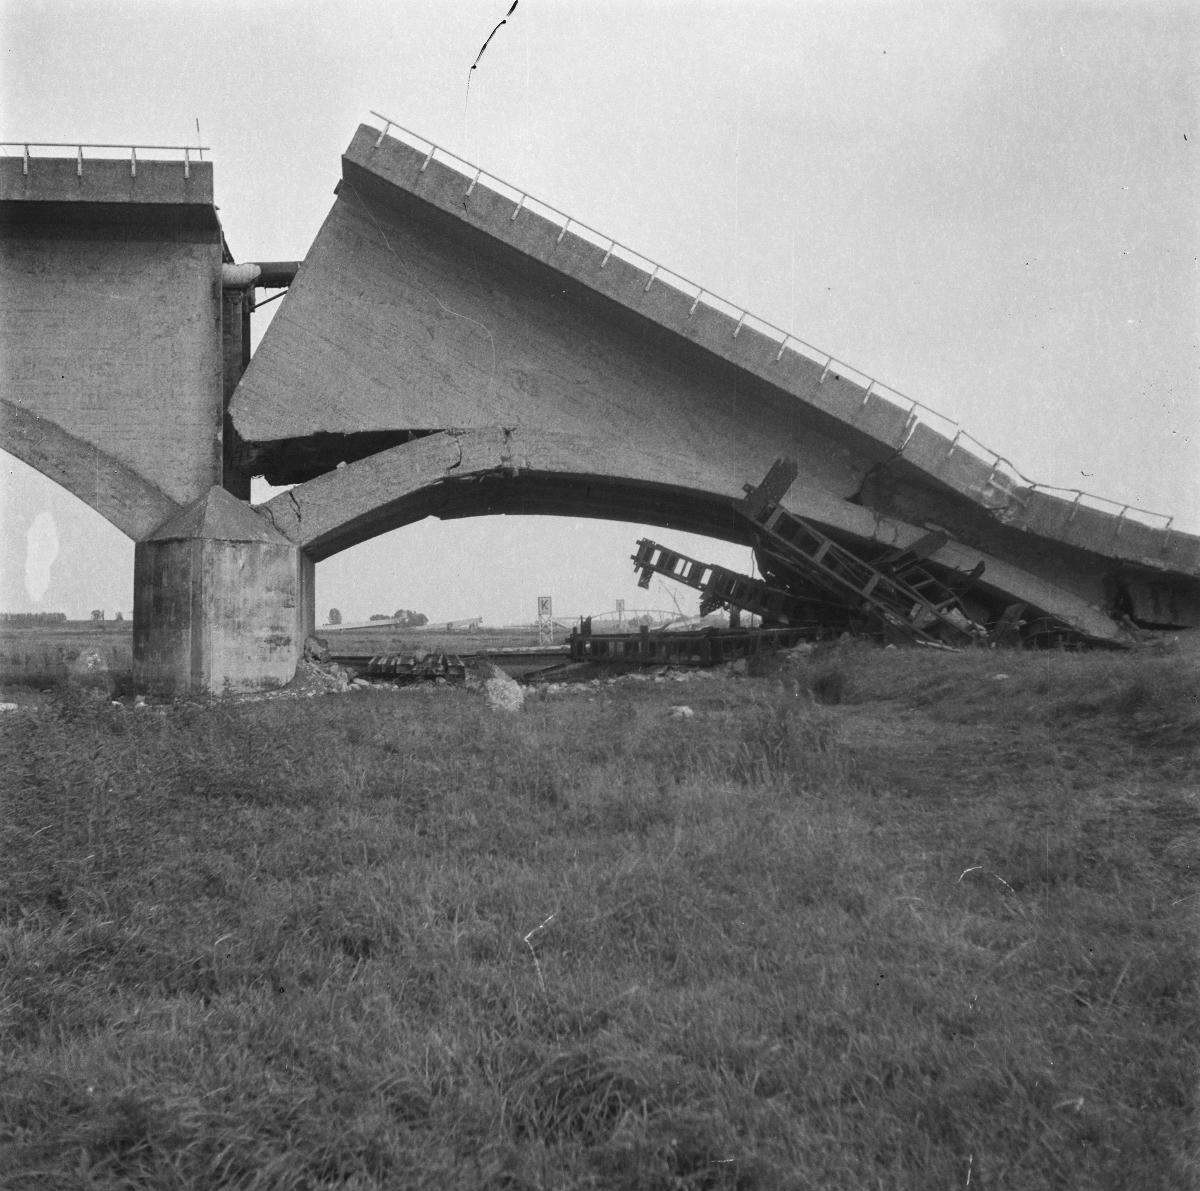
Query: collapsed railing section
pixel 28 159
pixel 786 341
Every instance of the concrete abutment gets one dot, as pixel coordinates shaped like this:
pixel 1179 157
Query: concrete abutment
pixel 222 602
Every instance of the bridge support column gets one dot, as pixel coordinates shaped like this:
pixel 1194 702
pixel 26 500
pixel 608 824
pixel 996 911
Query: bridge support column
pixel 217 602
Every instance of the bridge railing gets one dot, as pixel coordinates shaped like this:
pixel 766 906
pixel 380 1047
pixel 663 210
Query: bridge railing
pixel 103 152
pixel 1001 469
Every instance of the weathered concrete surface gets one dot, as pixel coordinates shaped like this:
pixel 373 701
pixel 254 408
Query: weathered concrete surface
pixel 402 319
pixel 216 602
pixel 107 180
pixel 110 330
pixel 494 470
pixel 424 305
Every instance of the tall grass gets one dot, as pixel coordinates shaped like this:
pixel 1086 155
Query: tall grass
pixel 938 928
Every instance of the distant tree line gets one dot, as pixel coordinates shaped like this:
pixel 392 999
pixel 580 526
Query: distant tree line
pixel 405 618
pixel 32 618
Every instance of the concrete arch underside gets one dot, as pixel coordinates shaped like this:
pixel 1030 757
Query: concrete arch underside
pixel 113 489
pixel 519 471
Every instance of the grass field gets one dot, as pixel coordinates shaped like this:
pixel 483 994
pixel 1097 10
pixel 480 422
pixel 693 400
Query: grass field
pixel 882 919
pixel 43 655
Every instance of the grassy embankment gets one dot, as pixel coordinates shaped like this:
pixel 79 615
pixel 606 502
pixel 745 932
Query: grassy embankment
pixel 924 929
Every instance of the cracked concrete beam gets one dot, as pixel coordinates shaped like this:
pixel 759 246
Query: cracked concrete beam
pixel 473 470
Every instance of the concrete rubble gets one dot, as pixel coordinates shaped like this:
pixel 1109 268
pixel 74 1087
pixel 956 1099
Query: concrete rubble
pixel 503 693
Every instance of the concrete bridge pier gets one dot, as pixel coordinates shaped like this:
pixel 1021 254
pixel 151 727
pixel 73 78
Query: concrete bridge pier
pixel 222 602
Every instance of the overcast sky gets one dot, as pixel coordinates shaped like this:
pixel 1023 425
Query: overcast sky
pixel 990 207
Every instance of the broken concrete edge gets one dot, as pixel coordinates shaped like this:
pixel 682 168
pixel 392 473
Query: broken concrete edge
pixel 950 462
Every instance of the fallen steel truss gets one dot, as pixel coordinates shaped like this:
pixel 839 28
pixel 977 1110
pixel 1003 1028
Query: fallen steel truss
pixel 813 582
pixel 722 588
pixel 896 590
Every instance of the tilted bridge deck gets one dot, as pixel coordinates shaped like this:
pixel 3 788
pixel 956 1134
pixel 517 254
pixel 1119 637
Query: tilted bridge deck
pixel 778 356
pixel 523 363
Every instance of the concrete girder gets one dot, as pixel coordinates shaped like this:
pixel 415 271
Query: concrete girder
pixel 519 470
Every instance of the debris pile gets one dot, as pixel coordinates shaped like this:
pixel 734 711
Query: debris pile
pixel 818 586
pixel 419 666
pixel 502 692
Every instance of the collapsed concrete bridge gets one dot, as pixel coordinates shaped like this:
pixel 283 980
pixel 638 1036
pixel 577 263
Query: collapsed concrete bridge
pixel 452 347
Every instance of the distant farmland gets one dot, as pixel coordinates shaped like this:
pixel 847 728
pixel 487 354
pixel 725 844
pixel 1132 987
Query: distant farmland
pixel 41 655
